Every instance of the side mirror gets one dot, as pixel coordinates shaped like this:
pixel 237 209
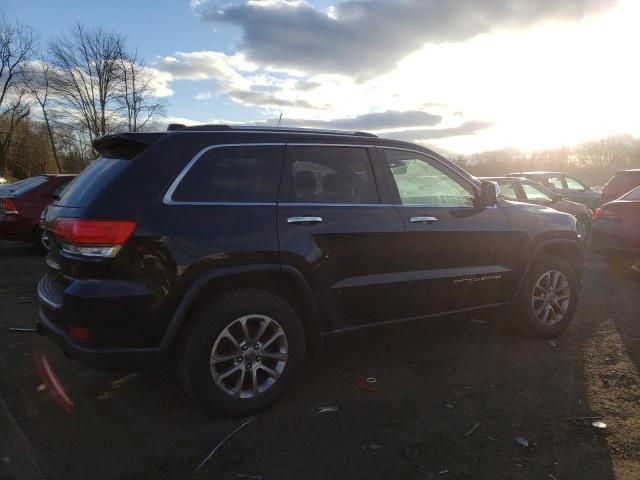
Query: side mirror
pixel 489 192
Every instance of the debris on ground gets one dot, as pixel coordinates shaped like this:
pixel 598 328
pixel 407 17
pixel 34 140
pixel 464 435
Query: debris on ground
pixel 523 442
pixel 410 453
pixel 23 330
pixel 554 343
pixel 115 385
pixel 373 446
pixel 41 388
pixel 449 406
pixel 442 472
pixel 469 432
pixel 478 323
pixel 489 437
pixel 595 422
pixel 598 424
pixel 327 409
pixel 552 477
pixel 222 442
pixel 372 380
pixel 367 387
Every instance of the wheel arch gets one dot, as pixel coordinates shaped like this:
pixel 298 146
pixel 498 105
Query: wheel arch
pixel 282 280
pixel 568 249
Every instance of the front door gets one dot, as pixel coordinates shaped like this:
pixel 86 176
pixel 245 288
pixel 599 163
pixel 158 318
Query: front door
pixel 458 256
pixel 341 232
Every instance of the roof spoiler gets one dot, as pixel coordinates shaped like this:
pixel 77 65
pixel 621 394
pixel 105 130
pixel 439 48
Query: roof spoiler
pixel 124 145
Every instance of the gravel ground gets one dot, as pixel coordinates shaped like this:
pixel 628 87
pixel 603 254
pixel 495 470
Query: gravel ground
pixel 436 380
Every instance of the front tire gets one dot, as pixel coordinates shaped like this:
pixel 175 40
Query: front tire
pixel 241 352
pixel 548 299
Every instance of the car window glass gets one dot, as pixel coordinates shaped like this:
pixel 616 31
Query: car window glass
pixel 555 182
pixel 331 175
pixel 533 192
pixel 420 182
pixel 508 191
pixel 57 192
pixel 233 174
pixel 574 185
pixel 633 195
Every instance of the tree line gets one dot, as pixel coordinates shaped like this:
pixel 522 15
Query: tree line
pixel 594 161
pixel 57 96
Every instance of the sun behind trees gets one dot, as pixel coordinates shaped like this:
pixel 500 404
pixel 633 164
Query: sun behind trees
pixel 57 97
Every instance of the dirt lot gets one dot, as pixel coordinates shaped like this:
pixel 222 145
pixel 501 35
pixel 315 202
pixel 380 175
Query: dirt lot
pixel 436 380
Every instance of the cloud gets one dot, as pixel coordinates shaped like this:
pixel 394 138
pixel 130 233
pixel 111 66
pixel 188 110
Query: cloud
pixel 417 135
pixel 364 38
pixel 368 121
pixel 264 99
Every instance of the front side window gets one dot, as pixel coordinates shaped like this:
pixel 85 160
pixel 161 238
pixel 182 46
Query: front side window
pixel 233 174
pixel 331 175
pixel 508 191
pixel 533 192
pixel 555 182
pixel 420 182
pixel 575 185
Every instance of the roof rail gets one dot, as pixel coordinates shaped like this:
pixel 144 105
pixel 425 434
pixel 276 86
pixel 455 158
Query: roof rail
pixel 260 128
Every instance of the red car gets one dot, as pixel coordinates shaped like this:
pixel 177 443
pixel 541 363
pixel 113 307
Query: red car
pixel 21 204
pixel 621 183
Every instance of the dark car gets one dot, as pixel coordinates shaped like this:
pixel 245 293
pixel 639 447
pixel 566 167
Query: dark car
pixel 235 249
pixel 570 187
pixel 616 229
pixel 619 184
pixel 22 203
pixel 525 190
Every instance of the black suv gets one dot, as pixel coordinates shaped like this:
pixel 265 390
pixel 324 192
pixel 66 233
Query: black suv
pixel 235 249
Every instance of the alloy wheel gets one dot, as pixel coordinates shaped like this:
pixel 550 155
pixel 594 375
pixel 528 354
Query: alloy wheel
pixel 550 297
pixel 249 356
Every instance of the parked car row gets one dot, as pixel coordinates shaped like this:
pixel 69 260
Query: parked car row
pixel 610 220
pixel 22 203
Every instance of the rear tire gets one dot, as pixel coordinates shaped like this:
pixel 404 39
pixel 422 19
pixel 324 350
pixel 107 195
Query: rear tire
pixel 262 371
pixel 547 302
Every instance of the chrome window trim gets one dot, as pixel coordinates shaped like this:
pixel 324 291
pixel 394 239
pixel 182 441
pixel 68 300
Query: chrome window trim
pixel 168 196
pixel 328 204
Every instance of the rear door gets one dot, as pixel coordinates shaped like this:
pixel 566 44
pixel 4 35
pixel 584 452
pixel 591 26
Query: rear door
pixel 457 256
pixel 338 228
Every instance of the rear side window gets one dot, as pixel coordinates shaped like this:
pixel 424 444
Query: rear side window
pixel 233 174
pixel 555 182
pixel 622 182
pixel 331 175
pixel 532 192
pixel 88 185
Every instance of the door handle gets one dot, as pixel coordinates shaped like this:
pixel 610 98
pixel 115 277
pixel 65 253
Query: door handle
pixel 423 219
pixel 304 219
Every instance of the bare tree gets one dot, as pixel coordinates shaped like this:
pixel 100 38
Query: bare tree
pixel 138 99
pixel 16 47
pixel 87 79
pixel 39 84
pixel 607 152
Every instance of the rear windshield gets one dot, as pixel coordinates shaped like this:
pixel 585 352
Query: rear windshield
pixel 90 182
pixel 23 186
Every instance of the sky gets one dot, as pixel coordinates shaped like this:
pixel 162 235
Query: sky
pixel 459 75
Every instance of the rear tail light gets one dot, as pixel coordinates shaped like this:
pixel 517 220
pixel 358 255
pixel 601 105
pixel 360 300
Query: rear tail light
pixel 602 213
pixel 92 238
pixel 8 206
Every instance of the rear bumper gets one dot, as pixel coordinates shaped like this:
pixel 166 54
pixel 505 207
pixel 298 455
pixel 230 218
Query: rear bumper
pixel 611 242
pixel 114 313
pixel 15 227
pixel 125 359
